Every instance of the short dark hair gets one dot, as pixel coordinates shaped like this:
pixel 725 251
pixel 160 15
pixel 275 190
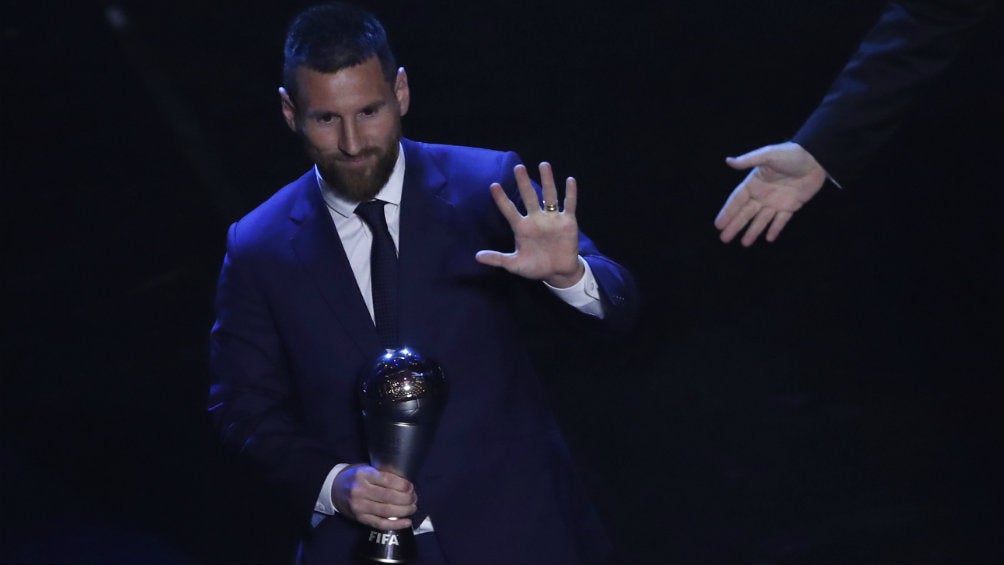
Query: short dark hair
pixel 330 37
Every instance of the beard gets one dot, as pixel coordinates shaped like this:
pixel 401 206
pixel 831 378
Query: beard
pixel 358 184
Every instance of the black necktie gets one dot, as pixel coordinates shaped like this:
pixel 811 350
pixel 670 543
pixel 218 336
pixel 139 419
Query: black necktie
pixel 383 272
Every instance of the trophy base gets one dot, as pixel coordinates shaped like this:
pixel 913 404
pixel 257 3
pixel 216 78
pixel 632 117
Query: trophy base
pixel 391 546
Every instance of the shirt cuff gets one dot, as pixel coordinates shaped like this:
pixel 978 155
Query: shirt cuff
pixel 584 295
pixel 324 505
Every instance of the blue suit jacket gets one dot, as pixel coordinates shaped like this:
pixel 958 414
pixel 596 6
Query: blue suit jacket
pixel 293 335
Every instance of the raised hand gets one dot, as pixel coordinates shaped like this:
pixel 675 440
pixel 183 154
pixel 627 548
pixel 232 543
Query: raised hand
pixel 785 177
pixel 547 237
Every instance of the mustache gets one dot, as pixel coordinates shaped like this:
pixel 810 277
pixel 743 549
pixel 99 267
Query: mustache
pixel 368 152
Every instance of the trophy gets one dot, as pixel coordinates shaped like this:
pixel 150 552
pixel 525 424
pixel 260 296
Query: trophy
pixel 402 398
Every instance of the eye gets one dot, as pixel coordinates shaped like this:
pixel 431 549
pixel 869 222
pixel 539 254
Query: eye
pixel 325 118
pixel 369 112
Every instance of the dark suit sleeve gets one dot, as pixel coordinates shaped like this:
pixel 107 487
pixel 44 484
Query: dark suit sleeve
pixel 250 400
pixel 912 43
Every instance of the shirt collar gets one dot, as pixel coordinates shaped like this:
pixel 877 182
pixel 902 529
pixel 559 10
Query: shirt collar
pixel 391 192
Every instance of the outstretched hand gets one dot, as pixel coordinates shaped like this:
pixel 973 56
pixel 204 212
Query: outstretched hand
pixel 375 498
pixel 785 177
pixel 547 237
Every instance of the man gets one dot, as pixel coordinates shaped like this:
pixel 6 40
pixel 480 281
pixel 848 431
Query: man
pixel 913 42
pixel 298 322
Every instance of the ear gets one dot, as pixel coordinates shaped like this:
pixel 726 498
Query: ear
pixel 288 108
pixel 401 91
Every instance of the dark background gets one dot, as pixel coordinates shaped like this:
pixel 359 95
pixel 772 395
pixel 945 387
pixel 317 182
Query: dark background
pixel 830 397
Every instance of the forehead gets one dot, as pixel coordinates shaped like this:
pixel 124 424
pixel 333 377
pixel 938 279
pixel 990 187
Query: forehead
pixel 346 90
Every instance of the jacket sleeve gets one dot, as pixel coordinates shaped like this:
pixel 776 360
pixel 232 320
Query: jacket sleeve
pixel 911 44
pixel 617 289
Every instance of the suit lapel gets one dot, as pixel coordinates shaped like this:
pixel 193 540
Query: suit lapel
pixel 317 246
pixel 426 245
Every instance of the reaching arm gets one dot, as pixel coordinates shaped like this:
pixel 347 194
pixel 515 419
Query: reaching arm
pixel 912 43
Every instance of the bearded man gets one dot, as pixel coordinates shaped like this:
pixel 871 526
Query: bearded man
pixel 298 324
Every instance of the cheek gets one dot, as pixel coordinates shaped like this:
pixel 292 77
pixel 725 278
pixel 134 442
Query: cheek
pixel 320 140
pixel 384 132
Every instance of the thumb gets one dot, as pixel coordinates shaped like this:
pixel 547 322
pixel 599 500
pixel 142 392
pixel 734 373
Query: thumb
pixel 751 159
pixel 491 258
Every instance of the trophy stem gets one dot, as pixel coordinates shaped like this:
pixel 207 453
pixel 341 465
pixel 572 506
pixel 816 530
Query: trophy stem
pixel 388 546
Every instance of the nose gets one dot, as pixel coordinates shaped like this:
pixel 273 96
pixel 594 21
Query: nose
pixel 348 141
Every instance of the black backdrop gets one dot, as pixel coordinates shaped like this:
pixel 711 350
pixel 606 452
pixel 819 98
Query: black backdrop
pixel 828 397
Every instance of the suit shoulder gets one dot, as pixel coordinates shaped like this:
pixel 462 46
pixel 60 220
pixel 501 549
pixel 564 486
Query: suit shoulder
pixel 473 161
pixel 272 215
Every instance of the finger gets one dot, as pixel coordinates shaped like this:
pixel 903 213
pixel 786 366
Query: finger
pixel 383 502
pixel 753 158
pixel 746 213
pixel 382 523
pixel 549 192
pixel 526 191
pixel 735 202
pixel 757 226
pixel 383 516
pixel 571 195
pixel 390 503
pixel 506 206
pixel 493 258
pixel 778 224
pixel 393 482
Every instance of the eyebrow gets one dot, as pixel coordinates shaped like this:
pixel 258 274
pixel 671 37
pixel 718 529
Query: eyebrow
pixel 372 106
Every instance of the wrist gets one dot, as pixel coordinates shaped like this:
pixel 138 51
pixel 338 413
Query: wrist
pixel 570 278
